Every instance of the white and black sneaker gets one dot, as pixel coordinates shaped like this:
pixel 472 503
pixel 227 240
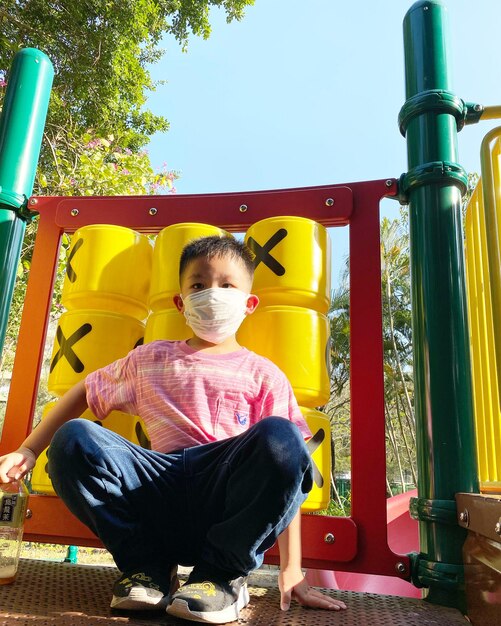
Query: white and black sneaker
pixel 205 599
pixel 144 591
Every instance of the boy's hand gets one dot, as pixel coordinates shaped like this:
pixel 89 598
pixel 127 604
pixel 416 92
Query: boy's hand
pixel 16 464
pixel 295 586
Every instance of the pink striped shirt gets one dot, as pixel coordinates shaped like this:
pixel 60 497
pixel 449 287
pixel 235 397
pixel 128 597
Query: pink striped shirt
pixel 187 398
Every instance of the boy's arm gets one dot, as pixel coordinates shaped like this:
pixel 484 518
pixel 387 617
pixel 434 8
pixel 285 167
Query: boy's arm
pixel 16 464
pixel 291 580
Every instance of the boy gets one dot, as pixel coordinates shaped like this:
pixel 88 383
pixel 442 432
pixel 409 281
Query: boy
pixel 224 480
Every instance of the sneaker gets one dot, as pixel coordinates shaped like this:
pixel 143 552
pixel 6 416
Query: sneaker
pixel 139 591
pixel 204 599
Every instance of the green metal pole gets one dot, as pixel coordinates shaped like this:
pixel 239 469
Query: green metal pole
pixel 21 129
pixel 71 555
pixel 443 392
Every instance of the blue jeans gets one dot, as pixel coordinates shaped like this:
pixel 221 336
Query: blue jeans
pixel 218 506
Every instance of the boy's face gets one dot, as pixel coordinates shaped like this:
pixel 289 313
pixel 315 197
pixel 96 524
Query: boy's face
pixel 223 271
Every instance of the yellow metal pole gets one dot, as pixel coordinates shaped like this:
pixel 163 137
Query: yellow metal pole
pixel 491 113
pixel 491 187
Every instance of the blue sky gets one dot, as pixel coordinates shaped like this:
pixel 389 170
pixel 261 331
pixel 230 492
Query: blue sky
pixel 301 94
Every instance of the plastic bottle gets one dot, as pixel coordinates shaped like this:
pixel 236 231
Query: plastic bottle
pixel 13 503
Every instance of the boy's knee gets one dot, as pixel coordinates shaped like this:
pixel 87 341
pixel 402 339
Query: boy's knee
pixel 280 429
pixel 76 429
pixel 71 437
pixel 283 441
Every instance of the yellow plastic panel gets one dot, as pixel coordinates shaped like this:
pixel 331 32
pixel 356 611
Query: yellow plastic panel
pixel 129 426
pixel 320 450
pixel 168 247
pixel 109 268
pixel 168 324
pixel 296 339
pixel 87 340
pixel 483 353
pixel 292 262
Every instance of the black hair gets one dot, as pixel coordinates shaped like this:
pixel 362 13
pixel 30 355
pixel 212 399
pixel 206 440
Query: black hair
pixel 217 246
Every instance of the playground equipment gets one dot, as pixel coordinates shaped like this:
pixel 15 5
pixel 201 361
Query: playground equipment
pixel 403 537
pixel 21 129
pixel 107 293
pixel 447 464
pixel 483 221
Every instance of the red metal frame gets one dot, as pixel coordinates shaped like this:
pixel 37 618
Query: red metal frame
pixel 360 543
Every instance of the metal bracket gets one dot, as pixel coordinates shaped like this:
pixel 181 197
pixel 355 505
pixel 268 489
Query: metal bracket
pixel 435 172
pixel 21 210
pixel 425 573
pixel 432 101
pixel 480 513
pixel 473 112
pixel 437 511
pixel 25 213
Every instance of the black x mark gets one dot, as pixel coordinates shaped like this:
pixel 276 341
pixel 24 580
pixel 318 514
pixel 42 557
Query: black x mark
pixel 66 349
pixel 142 437
pixel 312 445
pixel 70 272
pixel 263 252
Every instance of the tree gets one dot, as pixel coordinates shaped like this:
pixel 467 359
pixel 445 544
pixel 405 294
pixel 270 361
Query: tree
pixel 97 124
pixel 85 166
pixel 101 52
pixel 397 337
pixel 397 354
pixel 91 165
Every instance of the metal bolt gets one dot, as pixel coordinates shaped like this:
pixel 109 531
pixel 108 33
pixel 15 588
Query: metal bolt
pixel 400 567
pixel 74 212
pixel 389 182
pixel 497 528
pixel 33 201
pixel 29 513
pixel 243 208
pixel 329 202
pixel 329 538
pixel 153 211
pixel 464 517
pixel 477 107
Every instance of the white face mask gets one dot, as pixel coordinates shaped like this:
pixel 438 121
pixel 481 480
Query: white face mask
pixel 215 314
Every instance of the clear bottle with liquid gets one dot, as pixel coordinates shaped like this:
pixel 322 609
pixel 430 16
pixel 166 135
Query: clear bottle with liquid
pixel 13 503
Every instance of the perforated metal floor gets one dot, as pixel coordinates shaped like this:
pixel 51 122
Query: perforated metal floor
pixel 63 594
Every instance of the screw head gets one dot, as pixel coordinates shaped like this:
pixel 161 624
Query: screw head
pixel 477 107
pixel 152 211
pixel 33 201
pixel 29 513
pixel 329 202
pixel 464 517
pixel 497 528
pixel 74 212
pixel 329 538
pixel 389 182
pixel 243 208
pixel 400 567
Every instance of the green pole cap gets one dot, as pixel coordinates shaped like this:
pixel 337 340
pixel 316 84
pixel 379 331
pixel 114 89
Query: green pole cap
pixel 22 124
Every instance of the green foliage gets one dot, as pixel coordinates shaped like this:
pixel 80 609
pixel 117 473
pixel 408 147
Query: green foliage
pixel 473 180
pixel 101 53
pixel 395 279
pixel 97 123
pixel 86 165
pixel 336 508
pixel 397 354
pixel 92 165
